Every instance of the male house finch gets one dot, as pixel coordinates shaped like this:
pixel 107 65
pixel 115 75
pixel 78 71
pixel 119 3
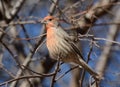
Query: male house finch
pixel 60 44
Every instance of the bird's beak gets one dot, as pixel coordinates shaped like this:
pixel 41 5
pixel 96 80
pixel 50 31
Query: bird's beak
pixel 43 22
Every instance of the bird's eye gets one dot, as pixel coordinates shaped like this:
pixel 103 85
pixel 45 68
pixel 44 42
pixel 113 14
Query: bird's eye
pixel 50 19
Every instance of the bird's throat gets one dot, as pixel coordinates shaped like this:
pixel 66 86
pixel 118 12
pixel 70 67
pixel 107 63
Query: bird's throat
pixel 51 36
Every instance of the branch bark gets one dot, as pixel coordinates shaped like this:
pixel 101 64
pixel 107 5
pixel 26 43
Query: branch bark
pixel 97 10
pixel 30 55
pixel 102 62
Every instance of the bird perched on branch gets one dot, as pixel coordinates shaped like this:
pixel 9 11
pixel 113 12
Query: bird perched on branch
pixel 60 44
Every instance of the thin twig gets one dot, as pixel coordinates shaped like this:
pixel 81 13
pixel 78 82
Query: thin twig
pixel 55 72
pixel 45 75
pixel 22 77
pixel 8 72
pixel 66 73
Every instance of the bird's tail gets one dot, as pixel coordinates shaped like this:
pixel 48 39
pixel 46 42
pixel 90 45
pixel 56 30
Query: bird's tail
pixel 86 67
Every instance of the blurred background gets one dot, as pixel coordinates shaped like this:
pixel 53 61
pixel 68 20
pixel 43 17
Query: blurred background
pixel 23 53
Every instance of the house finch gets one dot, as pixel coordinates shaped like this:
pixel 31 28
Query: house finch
pixel 60 44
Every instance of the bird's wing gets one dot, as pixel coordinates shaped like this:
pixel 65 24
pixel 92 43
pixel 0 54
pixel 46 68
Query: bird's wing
pixel 75 48
pixel 72 43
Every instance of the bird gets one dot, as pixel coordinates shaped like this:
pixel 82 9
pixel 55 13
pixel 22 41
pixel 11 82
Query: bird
pixel 60 45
